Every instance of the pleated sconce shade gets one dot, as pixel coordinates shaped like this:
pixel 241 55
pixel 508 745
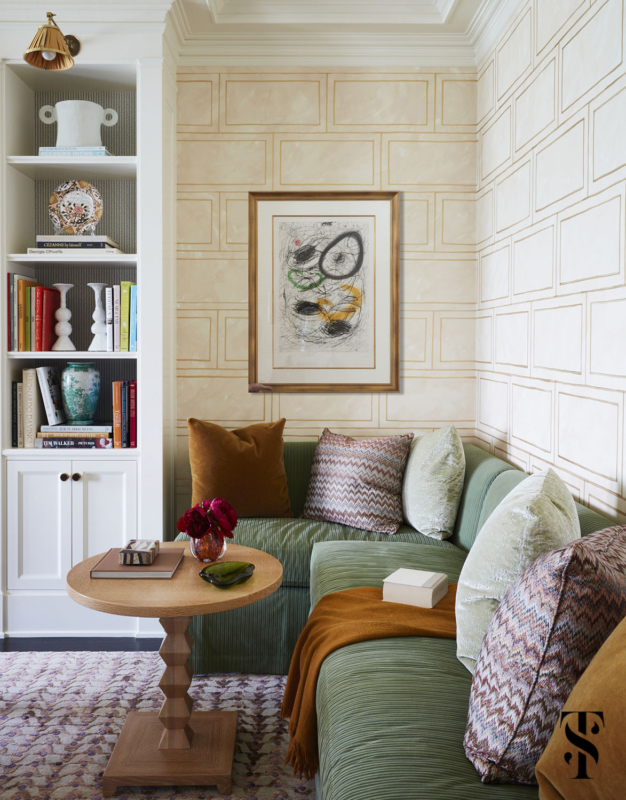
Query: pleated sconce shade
pixel 49 39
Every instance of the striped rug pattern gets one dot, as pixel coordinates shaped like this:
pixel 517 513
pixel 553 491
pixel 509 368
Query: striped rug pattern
pixel 358 483
pixel 61 714
pixel 545 632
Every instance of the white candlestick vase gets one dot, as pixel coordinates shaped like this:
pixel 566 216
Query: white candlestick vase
pixel 99 328
pixel 63 315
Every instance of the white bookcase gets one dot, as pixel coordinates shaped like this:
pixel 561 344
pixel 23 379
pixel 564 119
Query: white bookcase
pixel 61 506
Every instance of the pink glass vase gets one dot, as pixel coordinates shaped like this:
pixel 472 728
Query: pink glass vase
pixel 208 547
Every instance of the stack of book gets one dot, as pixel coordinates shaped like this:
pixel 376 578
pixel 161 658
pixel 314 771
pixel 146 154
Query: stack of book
pixel 84 437
pixel 30 314
pixel 121 317
pixel 75 245
pixel 124 414
pixel 72 152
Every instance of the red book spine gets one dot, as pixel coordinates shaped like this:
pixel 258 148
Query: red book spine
pixel 117 415
pixel 51 301
pixel 133 413
pixel 10 310
pixel 38 318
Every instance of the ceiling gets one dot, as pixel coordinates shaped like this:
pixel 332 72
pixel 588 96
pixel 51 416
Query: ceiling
pixel 205 15
pixel 359 32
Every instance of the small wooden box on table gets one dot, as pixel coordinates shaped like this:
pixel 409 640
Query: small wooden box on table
pixel 176 746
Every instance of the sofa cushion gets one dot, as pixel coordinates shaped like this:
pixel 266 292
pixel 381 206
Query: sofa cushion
pixel 391 716
pixel 481 469
pixel 291 541
pixel 542 637
pixel 358 482
pixel 537 516
pixel 433 482
pixel 336 566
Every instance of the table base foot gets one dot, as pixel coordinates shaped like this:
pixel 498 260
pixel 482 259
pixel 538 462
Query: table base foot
pixel 137 760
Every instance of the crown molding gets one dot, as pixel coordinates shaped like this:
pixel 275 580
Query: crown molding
pixel 304 48
pixel 489 23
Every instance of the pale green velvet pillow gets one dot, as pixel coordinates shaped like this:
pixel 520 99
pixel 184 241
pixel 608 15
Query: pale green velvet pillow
pixel 537 516
pixel 433 482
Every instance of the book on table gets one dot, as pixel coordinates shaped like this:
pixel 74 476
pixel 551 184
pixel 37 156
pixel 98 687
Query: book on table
pixel 163 566
pixel 415 587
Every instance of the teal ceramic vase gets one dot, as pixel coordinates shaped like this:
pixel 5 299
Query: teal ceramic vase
pixel 80 389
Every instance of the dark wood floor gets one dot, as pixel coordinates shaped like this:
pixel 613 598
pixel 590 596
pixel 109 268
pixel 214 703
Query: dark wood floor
pixel 56 644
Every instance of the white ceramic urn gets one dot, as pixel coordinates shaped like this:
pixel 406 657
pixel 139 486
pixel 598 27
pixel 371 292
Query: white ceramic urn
pixel 79 122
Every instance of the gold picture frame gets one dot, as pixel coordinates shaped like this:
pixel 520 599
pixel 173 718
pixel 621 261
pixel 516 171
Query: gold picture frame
pixel 324 291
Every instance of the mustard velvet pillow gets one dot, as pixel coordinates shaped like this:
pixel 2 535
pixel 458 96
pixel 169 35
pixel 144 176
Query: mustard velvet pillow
pixel 244 466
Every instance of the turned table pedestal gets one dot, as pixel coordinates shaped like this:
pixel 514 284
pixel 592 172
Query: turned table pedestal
pixel 176 746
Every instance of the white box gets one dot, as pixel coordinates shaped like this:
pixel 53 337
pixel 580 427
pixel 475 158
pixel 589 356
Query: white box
pixel 414 587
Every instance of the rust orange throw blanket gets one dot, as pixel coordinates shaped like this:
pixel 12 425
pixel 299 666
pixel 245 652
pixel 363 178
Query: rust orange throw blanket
pixel 340 619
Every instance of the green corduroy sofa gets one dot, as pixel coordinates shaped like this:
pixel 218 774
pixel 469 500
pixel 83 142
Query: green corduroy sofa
pixel 391 712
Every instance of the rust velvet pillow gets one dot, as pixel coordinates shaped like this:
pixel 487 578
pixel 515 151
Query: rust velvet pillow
pixel 244 466
pixel 591 767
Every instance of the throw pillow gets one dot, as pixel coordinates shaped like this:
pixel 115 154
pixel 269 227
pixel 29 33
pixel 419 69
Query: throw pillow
pixel 433 482
pixel 599 775
pixel 358 483
pixel 536 516
pixel 545 632
pixel 244 466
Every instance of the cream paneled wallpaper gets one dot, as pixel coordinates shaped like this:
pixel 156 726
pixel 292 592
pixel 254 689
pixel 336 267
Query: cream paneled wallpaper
pixel 551 320
pixel 243 130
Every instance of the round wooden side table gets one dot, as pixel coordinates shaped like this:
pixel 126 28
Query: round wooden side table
pixel 176 746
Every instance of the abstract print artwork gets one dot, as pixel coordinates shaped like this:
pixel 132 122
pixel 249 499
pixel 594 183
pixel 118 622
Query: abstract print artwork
pixel 325 275
pixel 324 294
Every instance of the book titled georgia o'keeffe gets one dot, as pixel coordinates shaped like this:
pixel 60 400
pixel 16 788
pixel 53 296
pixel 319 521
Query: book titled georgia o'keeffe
pixel 415 587
pixel 50 386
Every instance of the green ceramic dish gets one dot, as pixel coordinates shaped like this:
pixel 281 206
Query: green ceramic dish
pixel 227 573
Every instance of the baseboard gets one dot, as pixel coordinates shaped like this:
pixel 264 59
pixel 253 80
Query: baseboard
pixel 55 614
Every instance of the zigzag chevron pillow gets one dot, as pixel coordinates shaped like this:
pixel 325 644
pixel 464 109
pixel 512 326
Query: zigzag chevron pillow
pixel 545 632
pixel 358 483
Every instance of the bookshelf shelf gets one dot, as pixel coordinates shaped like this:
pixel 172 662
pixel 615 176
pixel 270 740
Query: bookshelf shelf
pixel 129 453
pixel 54 260
pixel 69 354
pixel 102 168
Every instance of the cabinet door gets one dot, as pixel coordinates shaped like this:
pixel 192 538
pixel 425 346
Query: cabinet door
pixel 39 524
pixel 104 506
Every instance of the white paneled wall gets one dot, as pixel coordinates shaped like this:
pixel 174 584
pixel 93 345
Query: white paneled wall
pixel 550 222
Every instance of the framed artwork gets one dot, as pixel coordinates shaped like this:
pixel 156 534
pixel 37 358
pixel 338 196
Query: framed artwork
pixel 324 291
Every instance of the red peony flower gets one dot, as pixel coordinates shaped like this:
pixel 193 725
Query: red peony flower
pixel 224 515
pixel 195 523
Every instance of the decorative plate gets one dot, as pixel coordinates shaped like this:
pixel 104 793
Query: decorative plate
pixel 75 208
pixel 227 573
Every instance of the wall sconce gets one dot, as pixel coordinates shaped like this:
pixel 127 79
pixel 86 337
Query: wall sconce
pixel 50 49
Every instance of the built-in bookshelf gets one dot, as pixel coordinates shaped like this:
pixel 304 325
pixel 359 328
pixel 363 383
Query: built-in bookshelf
pixel 113 494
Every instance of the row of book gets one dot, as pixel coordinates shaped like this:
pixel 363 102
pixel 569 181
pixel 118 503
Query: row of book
pixel 36 399
pixel 30 317
pixel 121 317
pixel 62 244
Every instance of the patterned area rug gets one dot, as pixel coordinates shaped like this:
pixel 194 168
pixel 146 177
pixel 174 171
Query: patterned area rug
pixel 61 713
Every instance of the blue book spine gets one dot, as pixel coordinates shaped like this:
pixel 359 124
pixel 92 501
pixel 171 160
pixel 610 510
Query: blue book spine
pixel 124 412
pixel 133 319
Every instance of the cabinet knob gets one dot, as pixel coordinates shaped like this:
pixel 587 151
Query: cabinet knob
pixel 76 476
pixel 64 476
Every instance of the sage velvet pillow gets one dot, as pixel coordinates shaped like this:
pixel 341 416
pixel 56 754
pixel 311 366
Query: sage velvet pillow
pixel 538 515
pixel 244 466
pixel 542 638
pixel 358 482
pixel 433 482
